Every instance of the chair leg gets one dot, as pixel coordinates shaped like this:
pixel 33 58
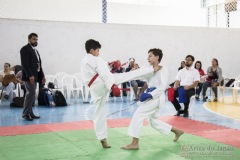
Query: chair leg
pixel 235 95
pixel 191 106
pixel 131 93
pixel 222 94
pixel 86 93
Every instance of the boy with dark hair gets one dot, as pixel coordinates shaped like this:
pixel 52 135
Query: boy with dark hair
pixel 93 64
pixel 152 101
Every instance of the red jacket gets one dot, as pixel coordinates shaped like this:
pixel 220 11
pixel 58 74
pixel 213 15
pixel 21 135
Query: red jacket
pixel 201 72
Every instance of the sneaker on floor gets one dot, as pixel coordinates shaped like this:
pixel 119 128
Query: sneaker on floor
pixel 205 99
pixel 179 112
pixel 197 98
pixel 185 114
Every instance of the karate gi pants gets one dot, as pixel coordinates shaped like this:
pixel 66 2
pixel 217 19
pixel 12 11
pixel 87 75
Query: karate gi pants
pixel 151 110
pixel 100 91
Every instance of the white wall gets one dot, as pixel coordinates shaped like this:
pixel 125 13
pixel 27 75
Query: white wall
pixel 61 45
pixel 52 10
pixel 186 14
pixel 165 12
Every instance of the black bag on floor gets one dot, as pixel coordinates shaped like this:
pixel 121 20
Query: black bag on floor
pixel 18 101
pixel 59 99
pixel 41 97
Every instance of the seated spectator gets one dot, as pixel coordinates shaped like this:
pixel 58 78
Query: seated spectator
pixel 214 78
pixel 136 83
pixel 119 69
pixel 187 78
pixel 182 65
pixel 11 86
pixel 198 66
pixel 16 69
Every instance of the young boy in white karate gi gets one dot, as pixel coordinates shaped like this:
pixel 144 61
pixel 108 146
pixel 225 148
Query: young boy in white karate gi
pixel 93 64
pixel 152 101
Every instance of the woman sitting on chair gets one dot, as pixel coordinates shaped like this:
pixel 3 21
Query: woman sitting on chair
pixel 214 78
pixel 7 87
pixel 198 66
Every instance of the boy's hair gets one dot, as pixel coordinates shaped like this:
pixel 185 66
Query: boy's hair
pixel 31 35
pixel 190 57
pixel 92 44
pixel 157 52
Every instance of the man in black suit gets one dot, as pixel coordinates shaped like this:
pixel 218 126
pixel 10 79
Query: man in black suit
pixel 32 73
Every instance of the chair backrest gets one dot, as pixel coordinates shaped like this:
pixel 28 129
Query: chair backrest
pixel 237 82
pixel 68 80
pixel 59 77
pixel 77 80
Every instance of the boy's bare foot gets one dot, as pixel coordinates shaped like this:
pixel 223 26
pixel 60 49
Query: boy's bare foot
pixel 177 135
pixel 131 147
pixel 104 143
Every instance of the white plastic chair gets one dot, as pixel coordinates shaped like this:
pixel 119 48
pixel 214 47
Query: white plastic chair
pixel 37 89
pixel 51 78
pixel 222 89
pixel 191 107
pixel 236 88
pixel 68 84
pixel 1 92
pixel 59 76
pixel 78 85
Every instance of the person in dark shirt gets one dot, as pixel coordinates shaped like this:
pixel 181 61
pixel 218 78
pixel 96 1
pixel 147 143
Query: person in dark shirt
pixel 214 79
pixel 137 83
pixel 179 68
pixel 182 65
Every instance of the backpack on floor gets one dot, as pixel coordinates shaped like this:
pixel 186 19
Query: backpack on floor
pixel 50 98
pixel 60 99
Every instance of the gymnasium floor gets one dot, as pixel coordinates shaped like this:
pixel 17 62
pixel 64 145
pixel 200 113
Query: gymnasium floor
pixel 212 132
